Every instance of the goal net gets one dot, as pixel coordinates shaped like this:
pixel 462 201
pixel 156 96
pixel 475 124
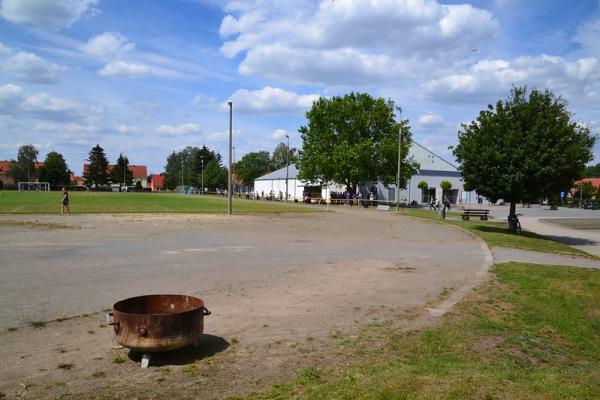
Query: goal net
pixel 34 186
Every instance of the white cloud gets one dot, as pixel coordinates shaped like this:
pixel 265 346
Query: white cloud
pixel 178 130
pixel 4 49
pixel 48 106
pixel 489 80
pixel 269 100
pixel 66 128
pixel 127 129
pixel 205 103
pixel 10 97
pixel 352 41
pixel 122 68
pixel 46 13
pixel 42 107
pixel 588 33
pixel 430 119
pixel 28 67
pixel 279 134
pixel 224 135
pixel 137 70
pixel 108 45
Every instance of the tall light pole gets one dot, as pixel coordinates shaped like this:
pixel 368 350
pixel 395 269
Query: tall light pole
pixel 182 173
pixel 124 171
pixel 229 197
pixel 202 174
pixel 232 167
pixel 287 166
pixel 399 163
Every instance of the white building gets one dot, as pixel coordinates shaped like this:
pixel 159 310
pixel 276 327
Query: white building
pixel 433 170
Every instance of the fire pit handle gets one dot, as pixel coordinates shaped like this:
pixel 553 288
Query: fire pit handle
pixel 110 321
pixel 205 311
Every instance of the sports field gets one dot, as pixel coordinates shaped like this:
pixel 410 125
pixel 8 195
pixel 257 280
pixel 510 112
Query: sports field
pixel 12 202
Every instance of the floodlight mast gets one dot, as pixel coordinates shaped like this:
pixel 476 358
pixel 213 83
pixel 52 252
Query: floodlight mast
pixel 229 197
pixel 287 166
pixel 399 163
pixel 202 181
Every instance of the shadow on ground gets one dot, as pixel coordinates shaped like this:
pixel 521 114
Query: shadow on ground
pixel 208 346
pixel 572 241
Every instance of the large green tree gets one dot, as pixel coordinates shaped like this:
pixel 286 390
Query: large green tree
pixel 354 139
pixel 55 170
pixel 121 173
pixel 282 156
pixel 97 173
pixel 525 148
pixel 253 165
pixel 215 175
pixel 23 169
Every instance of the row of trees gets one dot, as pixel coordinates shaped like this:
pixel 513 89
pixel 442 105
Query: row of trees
pixel 190 165
pixel 54 170
pixel 98 172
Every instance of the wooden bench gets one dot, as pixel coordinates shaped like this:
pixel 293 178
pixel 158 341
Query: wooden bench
pixel 482 214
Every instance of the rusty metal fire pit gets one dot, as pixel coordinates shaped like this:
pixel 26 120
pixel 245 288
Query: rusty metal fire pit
pixel 159 322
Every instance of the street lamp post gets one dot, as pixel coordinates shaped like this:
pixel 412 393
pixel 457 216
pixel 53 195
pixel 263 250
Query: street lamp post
pixel 202 174
pixel 287 166
pixel 124 172
pixel 182 173
pixel 399 163
pixel 229 197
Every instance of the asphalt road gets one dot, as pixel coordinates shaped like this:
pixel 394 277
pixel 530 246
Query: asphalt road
pixel 100 259
pixel 535 218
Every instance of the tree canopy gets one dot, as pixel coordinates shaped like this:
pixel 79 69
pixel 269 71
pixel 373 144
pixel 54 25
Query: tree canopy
pixel 445 185
pixel 97 173
pixel 525 148
pixel 194 158
pixel 121 171
pixel 353 139
pixel 55 170
pixel 281 156
pixel 592 171
pixel 253 165
pixel 23 169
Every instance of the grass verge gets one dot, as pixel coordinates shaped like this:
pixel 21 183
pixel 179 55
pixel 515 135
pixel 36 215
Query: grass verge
pixel 575 223
pixel 531 332
pixel 496 234
pixel 13 202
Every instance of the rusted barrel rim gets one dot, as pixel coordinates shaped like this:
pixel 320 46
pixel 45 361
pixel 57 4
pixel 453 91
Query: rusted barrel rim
pixel 118 306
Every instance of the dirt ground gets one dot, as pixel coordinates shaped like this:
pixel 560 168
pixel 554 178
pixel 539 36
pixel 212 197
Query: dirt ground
pixel 284 291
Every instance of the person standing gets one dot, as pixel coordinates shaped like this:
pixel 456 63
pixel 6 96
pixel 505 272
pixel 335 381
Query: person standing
pixel 64 203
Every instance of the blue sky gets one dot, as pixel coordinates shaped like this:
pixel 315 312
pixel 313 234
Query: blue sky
pixel 147 77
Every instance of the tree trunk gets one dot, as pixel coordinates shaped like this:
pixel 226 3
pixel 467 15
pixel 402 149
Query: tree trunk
pixel 512 218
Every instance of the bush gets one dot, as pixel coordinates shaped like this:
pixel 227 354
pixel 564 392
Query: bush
pixel 423 185
pixel 445 185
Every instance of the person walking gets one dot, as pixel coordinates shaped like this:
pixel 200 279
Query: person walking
pixel 64 203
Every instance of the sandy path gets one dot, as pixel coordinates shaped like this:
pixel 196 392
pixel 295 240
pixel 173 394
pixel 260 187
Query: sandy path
pixel 270 281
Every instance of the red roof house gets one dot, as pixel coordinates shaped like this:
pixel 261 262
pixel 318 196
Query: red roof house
pixel 157 182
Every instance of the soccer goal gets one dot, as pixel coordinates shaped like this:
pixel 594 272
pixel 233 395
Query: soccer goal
pixel 34 186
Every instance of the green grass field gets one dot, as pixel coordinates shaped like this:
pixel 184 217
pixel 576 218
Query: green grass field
pixel 531 332
pixel 496 234
pixel 12 202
